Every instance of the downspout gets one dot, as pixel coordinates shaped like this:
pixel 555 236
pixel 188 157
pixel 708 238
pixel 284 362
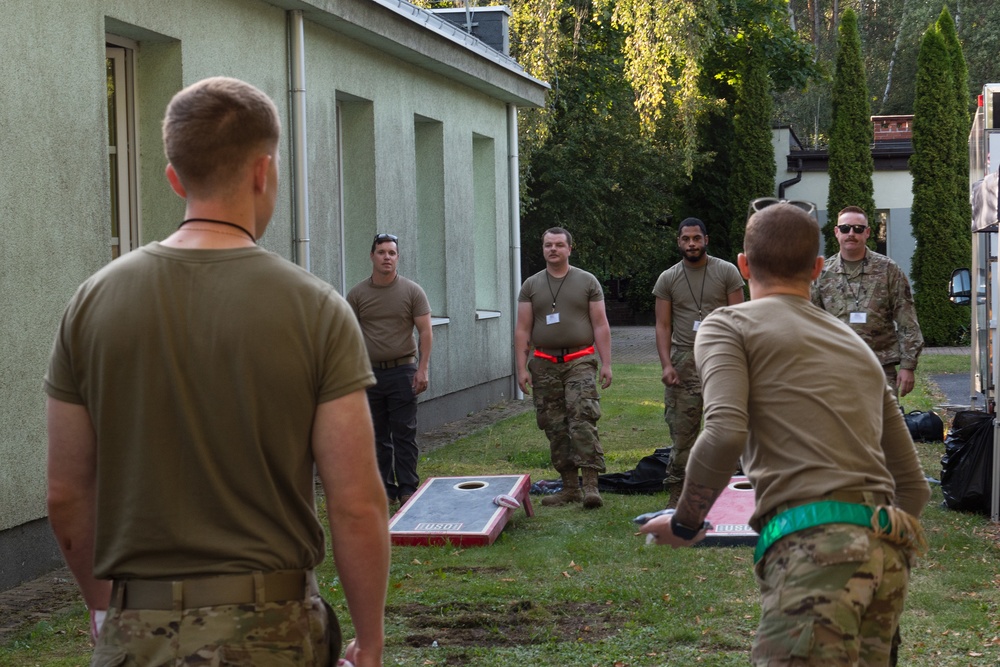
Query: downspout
pixel 300 169
pixel 514 207
pixel 790 181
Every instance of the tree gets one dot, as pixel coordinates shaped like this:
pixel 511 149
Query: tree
pixel 960 92
pixel 942 237
pixel 753 169
pixel 851 165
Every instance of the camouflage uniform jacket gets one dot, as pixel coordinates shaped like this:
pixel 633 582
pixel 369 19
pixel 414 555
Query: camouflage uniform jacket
pixel 880 289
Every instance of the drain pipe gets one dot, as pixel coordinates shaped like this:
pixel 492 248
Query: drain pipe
pixel 514 206
pixel 790 181
pixel 300 169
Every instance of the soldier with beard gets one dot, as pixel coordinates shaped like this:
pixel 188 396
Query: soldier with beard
pixel 685 294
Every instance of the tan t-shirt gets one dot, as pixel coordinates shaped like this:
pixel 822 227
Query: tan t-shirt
pixel 561 308
pixel 694 293
pixel 386 315
pixel 804 401
pixel 201 371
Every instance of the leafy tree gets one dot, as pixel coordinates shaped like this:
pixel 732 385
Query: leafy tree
pixel 942 238
pixel 753 169
pixel 851 165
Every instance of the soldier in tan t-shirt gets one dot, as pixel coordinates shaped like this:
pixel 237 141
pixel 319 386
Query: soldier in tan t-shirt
pixel 389 307
pixel 560 312
pixel 837 481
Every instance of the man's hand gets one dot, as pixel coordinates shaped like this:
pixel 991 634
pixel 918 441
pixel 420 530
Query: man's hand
pixel 670 376
pixel 605 376
pixel 904 381
pixel 420 381
pixel 524 380
pixel 661 528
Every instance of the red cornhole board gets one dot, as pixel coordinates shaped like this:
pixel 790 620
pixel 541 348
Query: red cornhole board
pixel 458 510
pixel 730 514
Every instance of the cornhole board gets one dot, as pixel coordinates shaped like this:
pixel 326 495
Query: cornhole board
pixel 458 510
pixel 730 514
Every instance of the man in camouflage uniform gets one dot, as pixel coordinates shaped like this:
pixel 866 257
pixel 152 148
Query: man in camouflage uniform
pixel 685 294
pixel 869 292
pixel 838 499
pixel 560 313
pixel 196 388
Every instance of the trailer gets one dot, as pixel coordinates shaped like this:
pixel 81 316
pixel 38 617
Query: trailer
pixel 984 273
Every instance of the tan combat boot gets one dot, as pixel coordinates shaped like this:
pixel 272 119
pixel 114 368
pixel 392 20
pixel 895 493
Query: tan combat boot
pixel 570 493
pixel 591 496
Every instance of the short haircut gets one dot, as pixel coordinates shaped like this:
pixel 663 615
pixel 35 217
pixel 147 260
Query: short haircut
pixel 853 209
pixel 559 230
pixel 214 128
pixel 781 243
pixel 692 222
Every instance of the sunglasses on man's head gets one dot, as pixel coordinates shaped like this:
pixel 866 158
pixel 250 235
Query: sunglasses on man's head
pixel 761 203
pixel 858 229
pixel 379 238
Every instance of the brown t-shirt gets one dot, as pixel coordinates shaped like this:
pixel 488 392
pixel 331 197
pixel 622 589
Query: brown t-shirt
pixel 561 308
pixel 804 401
pixel 386 315
pixel 201 371
pixel 693 293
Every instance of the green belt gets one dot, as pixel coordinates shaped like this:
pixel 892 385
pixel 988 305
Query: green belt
pixel 816 514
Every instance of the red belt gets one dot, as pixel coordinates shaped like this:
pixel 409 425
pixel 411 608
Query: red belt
pixel 562 358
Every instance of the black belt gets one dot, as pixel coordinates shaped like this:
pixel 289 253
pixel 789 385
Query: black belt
pixel 255 588
pixel 393 363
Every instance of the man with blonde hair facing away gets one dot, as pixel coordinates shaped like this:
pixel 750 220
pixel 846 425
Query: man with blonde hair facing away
pixel 195 387
pixel 836 478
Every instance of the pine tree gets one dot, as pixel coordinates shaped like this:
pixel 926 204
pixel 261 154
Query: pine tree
pixel 851 164
pixel 753 156
pixel 942 239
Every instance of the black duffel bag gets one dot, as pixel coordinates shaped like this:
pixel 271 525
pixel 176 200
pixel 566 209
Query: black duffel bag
pixel 924 426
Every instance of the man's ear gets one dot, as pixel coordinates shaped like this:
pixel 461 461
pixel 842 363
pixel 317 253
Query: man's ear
pixel 175 182
pixel 744 265
pixel 261 167
pixel 818 268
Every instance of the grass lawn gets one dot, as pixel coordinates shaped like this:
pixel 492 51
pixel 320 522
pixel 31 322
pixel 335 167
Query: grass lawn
pixel 574 587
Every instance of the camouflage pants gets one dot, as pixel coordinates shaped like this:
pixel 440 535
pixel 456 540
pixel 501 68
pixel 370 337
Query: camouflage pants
pixel 567 407
pixel 830 595
pixel 682 408
pixel 301 633
pixel 890 378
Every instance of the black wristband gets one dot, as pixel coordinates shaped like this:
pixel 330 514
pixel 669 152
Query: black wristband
pixel 682 531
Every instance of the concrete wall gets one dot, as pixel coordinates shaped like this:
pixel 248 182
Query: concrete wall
pixel 385 69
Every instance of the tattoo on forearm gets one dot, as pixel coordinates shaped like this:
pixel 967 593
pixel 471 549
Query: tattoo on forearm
pixel 695 503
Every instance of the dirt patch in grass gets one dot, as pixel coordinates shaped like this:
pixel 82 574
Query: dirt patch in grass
pixel 516 624
pixel 36 601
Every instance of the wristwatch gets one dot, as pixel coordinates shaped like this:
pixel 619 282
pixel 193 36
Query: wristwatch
pixel 682 531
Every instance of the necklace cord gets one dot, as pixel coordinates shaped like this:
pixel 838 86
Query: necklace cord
pixel 218 222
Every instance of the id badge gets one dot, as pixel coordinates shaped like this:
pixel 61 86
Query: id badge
pixel 552 318
pixel 859 318
pixel 697 323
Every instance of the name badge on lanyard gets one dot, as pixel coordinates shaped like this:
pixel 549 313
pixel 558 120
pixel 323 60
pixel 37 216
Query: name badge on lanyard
pixel 859 318
pixel 552 318
pixel 697 323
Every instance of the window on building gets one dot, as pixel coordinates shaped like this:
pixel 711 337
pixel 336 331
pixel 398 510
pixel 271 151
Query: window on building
pixel 122 150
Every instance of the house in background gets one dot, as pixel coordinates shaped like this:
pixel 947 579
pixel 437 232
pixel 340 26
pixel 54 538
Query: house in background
pixel 394 120
pixel 802 174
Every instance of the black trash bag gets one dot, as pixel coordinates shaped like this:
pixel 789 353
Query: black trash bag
pixel 924 426
pixel 967 464
pixel 647 477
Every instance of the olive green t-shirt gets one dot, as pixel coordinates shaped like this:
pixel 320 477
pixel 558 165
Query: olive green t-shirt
pixel 386 315
pixel 201 371
pixel 693 293
pixel 561 308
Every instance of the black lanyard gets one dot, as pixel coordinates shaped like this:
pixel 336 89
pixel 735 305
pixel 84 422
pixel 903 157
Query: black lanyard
pixel 562 281
pixel 700 299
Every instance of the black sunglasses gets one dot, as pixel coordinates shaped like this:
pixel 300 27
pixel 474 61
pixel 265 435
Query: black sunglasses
pixel 858 229
pixel 761 203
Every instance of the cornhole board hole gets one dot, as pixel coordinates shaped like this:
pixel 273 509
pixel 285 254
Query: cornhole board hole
pixel 458 510
pixel 730 514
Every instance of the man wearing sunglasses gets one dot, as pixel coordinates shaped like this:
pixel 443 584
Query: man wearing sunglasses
pixel 685 294
pixel 870 293
pixel 389 307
